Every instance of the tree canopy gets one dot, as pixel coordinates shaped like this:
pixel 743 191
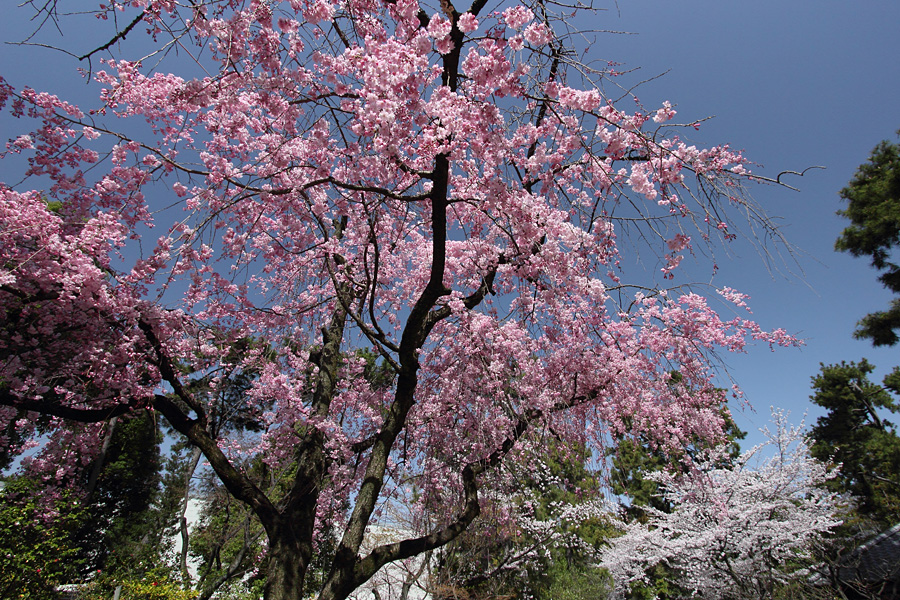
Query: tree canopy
pixel 856 434
pixel 264 188
pixel 873 207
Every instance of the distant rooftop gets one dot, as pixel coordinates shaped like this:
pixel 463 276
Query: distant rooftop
pixel 875 565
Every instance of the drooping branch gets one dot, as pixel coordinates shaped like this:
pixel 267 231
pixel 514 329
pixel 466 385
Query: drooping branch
pixel 167 370
pixel 196 430
pixel 380 556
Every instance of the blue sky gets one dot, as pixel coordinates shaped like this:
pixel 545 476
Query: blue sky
pixel 794 83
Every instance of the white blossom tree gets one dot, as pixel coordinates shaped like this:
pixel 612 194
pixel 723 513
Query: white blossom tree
pixel 738 531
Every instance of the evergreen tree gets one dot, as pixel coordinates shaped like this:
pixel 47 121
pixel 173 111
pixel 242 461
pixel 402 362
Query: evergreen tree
pixel 873 198
pixel 855 435
pixel 228 540
pixel 120 531
pixel 549 550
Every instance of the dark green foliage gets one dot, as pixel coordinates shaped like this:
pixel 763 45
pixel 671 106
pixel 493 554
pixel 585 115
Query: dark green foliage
pixel 377 371
pixel 575 582
pixel 660 585
pixel 228 538
pixel 873 198
pixel 120 525
pixel 632 462
pixel 37 552
pixel 496 558
pixel 855 434
pixel 118 528
pixel 155 584
pixel 323 556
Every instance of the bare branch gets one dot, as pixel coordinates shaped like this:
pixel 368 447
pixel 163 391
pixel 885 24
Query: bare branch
pixel 119 36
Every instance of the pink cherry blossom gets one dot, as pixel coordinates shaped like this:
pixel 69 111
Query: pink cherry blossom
pixel 317 181
pixel 537 34
pixel 468 23
pixel 666 113
pixel 517 16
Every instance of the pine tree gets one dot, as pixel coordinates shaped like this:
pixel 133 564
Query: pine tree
pixel 873 198
pixel 855 435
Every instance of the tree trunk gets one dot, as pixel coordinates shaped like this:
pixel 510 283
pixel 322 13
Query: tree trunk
pixel 182 521
pixel 100 461
pixel 286 565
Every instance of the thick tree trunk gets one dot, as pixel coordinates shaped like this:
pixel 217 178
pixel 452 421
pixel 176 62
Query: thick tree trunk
pixel 286 568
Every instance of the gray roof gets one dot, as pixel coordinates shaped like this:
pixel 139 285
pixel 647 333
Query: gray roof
pixel 876 561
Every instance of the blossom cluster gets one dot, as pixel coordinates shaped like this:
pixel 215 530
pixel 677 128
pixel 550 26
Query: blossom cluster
pixel 735 528
pixel 344 177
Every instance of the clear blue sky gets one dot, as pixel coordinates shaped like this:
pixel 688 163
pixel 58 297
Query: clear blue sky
pixel 794 83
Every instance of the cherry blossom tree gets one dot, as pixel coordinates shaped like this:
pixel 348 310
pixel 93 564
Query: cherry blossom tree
pixel 737 531
pixel 444 186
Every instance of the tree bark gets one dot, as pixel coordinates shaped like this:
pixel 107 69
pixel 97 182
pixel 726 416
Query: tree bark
pixel 100 461
pixel 288 560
